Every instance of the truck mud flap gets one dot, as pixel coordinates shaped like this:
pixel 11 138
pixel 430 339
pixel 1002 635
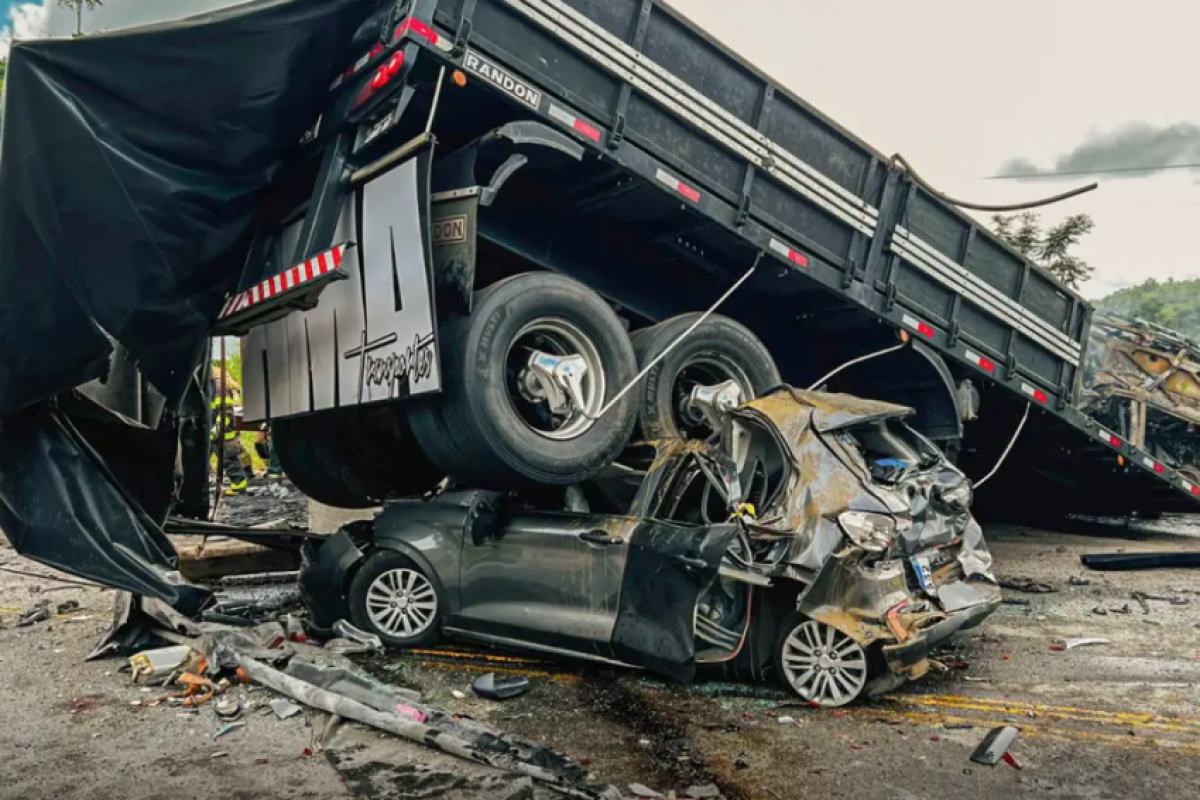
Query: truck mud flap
pixel 668 568
pixel 372 337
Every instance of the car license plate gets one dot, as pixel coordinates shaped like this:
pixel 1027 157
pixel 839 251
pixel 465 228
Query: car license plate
pixel 924 574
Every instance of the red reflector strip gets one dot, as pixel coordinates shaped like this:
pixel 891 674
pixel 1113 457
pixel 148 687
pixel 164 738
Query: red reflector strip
pixel 1110 438
pixel 918 326
pixel 985 364
pixel 424 31
pixel 791 255
pixel 574 123
pixel 1036 394
pixel 1195 490
pixel 289 279
pixel 1154 465
pixel 667 179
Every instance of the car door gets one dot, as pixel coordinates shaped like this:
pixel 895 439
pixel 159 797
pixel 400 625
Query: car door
pixel 546 578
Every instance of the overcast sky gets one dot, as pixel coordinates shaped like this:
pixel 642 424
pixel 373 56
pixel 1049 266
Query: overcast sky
pixel 963 90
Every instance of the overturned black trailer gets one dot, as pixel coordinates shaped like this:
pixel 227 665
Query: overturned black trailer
pixel 619 144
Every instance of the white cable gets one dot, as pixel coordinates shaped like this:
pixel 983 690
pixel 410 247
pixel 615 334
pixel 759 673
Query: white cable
pixel 645 370
pixel 1007 450
pixel 858 360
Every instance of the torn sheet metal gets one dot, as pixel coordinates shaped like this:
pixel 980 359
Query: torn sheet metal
pixel 132 165
pixel 1142 381
pixel 802 472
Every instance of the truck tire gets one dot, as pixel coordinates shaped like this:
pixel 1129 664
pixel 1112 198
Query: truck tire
pixel 353 458
pixel 492 427
pixel 718 350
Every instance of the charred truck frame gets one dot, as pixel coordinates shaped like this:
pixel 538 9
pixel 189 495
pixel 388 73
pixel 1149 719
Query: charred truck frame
pixel 618 145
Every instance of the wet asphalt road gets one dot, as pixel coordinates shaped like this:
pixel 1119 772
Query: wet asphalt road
pixel 1119 720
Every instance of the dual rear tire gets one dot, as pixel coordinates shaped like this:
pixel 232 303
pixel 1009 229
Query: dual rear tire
pixel 502 422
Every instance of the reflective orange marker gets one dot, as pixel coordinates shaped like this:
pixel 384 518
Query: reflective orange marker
pixel 459 79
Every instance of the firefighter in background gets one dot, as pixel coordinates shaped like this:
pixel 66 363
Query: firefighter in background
pixel 236 460
pixel 265 448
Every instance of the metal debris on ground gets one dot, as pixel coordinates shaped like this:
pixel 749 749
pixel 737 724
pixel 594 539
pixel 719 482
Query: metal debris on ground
pixel 491 687
pixel 1134 561
pixel 1100 611
pixel 1078 581
pixel 1140 599
pixel 1071 644
pixel 345 647
pixel 68 607
pixel 702 792
pixel 285 709
pixel 644 792
pixel 228 707
pixel 1017 601
pixel 1026 585
pixel 32 616
pixel 347 631
pixel 994 745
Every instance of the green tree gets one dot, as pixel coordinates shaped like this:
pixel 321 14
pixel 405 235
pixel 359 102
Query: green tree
pixel 1048 247
pixel 3 73
pixel 1174 304
pixel 79 6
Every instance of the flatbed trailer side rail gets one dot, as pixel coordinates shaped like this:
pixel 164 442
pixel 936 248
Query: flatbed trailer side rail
pixel 883 244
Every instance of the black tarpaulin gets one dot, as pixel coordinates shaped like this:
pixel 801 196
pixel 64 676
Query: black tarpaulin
pixel 131 167
pixel 62 505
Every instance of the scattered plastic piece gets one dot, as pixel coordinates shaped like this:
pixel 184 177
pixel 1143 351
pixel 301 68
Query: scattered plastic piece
pixel 787 720
pixel 159 662
pixel 1071 644
pixel 294 629
pixel 1058 648
pixel 285 709
pixel 703 792
pixel 415 714
pixel 994 745
pixel 68 607
pixel 1011 760
pixel 644 792
pixel 491 687
pixel 457 694
pixel 230 728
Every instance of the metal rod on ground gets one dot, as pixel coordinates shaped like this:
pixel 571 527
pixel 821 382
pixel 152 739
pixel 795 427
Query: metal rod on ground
pixel 332 703
pixel 858 360
pixel 1007 450
pixel 51 578
pixel 646 370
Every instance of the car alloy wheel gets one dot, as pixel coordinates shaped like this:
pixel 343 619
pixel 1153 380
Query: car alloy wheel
pixel 823 665
pixel 402 603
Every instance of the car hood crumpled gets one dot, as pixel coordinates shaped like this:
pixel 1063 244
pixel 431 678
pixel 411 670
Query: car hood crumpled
pixel 798 458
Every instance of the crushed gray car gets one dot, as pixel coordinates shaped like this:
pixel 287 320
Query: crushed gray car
pixel 816 539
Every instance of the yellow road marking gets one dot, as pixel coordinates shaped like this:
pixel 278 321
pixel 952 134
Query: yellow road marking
pixel 449 666
pixel 481 656
pixel 1041 731
pixel 1120 718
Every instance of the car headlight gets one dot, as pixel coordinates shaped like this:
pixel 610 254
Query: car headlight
pixel 872 532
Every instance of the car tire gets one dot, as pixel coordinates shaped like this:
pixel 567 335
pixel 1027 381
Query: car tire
pixel 718 350
pixel 802 644
pixel 385 573
pixel 486 429
pixel 353 458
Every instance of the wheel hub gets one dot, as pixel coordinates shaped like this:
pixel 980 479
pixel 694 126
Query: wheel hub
pixel 402 603
pixel 824 665
pixel 555 378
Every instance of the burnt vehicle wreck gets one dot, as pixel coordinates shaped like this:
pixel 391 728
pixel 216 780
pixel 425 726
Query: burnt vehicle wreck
pixel 1143 382
pixel 816 539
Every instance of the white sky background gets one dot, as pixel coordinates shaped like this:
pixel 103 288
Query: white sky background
pixel 958 87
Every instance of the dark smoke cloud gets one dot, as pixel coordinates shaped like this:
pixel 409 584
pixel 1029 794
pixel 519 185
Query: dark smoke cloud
pixel 1133 150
